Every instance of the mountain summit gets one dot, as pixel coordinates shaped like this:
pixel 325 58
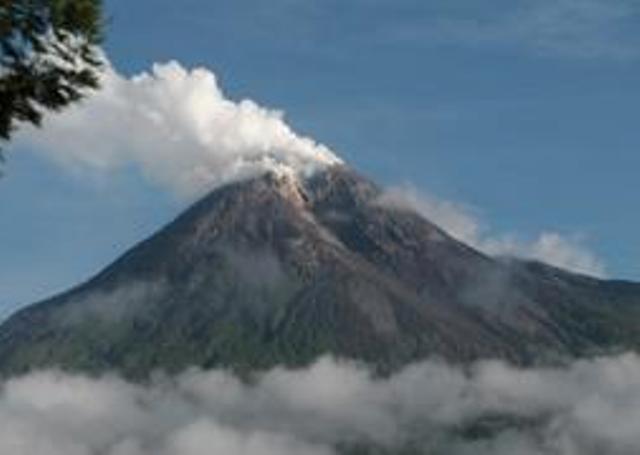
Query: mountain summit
pixel 281 269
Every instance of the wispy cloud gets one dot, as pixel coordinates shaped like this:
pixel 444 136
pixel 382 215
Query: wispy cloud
pixel 568 252
pixel 567 28
pixel 582 29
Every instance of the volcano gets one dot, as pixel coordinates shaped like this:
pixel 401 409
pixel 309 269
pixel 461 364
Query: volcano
pixel 281 269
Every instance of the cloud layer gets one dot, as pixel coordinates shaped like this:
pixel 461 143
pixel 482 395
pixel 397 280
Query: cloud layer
pixel 589 407
pixel 550 247
pixel 177 126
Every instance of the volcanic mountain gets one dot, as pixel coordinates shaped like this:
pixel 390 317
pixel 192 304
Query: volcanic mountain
pixel 279 270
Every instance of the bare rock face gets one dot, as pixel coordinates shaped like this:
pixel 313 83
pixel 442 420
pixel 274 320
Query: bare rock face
pixel 280 270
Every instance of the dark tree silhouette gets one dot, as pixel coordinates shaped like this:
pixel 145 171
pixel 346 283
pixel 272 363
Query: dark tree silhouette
pixel 49 57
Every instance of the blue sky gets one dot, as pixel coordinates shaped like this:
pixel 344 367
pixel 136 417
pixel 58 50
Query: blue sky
pixel 523 112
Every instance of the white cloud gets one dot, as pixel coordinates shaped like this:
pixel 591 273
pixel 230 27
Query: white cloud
pixel 456 219
pixel 566 28
pixel 568 252
pixel 553 248
pixel 588 407
pixel 178 128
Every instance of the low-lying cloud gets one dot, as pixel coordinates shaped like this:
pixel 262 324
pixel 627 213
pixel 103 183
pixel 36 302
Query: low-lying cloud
pixel 178 128
pixel 567 252
pixel 110 306
pixel 588 407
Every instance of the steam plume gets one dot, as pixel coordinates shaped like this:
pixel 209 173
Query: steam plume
pixel 177 126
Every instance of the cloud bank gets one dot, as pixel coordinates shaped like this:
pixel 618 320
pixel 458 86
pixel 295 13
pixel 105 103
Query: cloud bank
pixel 589 407
pixel 550 247
pixel 178 127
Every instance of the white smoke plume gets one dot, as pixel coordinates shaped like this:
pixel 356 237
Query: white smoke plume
pixel 177 126
pixel 567 252
pixel 589 407
pixel 179 129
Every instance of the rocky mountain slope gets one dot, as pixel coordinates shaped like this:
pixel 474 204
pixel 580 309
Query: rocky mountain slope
pixel 280 270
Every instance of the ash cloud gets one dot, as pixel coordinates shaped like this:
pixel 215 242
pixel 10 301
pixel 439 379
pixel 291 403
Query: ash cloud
pixel 587 407
pixel 178 128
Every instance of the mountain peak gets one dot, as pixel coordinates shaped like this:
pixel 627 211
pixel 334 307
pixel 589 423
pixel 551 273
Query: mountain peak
pixel 341 186
pixel 289 185
pixel 283 268
pixel 334 185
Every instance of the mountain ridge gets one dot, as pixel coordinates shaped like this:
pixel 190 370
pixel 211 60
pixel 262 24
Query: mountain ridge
pixel 281 269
